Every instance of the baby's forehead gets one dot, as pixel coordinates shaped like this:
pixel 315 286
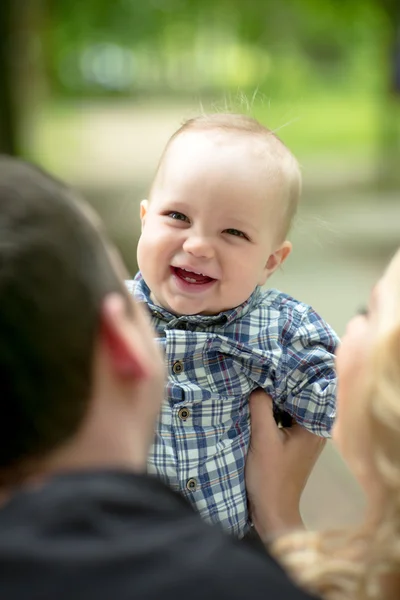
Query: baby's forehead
pixel 260 155
pixel 222 158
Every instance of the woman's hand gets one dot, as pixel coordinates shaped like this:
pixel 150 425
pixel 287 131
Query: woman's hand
pixel 278 466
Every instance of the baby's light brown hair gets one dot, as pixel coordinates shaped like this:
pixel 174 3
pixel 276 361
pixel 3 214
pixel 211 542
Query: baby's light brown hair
pixel 281 161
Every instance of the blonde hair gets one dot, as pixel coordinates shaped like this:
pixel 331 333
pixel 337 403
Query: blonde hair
pixel 363 564
pixel 285 163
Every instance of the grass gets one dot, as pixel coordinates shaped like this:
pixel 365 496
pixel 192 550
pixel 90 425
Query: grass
pixel 324 125
pixel 315 127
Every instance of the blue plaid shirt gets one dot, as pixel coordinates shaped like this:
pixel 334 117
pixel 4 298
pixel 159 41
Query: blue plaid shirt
pixel 214 362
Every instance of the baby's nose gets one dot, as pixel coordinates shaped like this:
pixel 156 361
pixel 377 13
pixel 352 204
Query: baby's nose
pixel 199 246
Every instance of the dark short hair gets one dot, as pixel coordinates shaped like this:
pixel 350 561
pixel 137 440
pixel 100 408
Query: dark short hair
pixel 55 270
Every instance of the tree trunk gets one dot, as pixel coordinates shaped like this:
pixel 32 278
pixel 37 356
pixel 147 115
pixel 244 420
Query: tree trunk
pixel 8 120
pixel 22 80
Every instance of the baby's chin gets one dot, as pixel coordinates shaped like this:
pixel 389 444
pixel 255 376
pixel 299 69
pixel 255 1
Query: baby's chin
pixel 184 306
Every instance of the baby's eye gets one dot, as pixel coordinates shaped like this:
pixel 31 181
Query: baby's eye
pixel 236 233
pixel 178 216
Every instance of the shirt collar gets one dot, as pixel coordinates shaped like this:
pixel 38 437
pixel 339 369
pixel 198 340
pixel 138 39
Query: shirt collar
pixel 142 294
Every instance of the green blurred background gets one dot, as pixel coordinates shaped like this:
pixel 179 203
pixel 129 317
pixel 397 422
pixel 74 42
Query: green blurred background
pixel 92 90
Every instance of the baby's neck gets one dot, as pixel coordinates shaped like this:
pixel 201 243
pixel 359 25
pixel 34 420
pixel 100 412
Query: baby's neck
pixel 213 314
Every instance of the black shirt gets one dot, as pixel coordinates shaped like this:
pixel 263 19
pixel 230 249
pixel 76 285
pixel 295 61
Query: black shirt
pixel 119 536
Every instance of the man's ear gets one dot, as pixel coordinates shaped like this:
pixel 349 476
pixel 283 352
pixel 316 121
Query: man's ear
pixel 144 204
pixel 275 260
pixel 119 341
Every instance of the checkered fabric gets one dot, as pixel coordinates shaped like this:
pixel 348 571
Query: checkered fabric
pixel 272 341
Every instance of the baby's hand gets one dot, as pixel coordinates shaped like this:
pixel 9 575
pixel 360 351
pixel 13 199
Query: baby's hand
pixel 278 466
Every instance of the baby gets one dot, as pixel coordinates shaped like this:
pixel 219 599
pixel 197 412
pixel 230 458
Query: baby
pixel 213 231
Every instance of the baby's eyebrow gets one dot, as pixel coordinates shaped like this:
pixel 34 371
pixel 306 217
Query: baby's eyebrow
pixel 242 223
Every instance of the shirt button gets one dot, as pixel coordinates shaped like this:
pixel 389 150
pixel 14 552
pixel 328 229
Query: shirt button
pixel 191 485
pixel 184 414
pixel 177 367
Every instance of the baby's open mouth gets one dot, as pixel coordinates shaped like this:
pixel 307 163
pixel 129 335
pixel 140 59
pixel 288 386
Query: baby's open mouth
pixel 191 277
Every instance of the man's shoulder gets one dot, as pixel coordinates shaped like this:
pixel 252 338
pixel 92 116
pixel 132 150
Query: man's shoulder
pixel 205 560
pixel 146 541
pixel 237 571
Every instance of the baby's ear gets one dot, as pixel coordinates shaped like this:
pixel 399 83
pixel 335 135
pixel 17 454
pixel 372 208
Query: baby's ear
pixel 278 257
pixel 143 211
pixel 275 260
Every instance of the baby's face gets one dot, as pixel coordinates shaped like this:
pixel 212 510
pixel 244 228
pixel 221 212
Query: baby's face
pixel 209 232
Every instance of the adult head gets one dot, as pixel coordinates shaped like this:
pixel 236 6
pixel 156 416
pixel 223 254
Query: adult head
pixel 363 563
pixel 80 379
pixel 219 210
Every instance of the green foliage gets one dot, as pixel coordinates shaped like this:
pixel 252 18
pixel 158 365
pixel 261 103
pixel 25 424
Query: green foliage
pixel 188 46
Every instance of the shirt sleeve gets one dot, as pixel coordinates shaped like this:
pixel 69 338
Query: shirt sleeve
pixel 301 375
pixel 307 374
